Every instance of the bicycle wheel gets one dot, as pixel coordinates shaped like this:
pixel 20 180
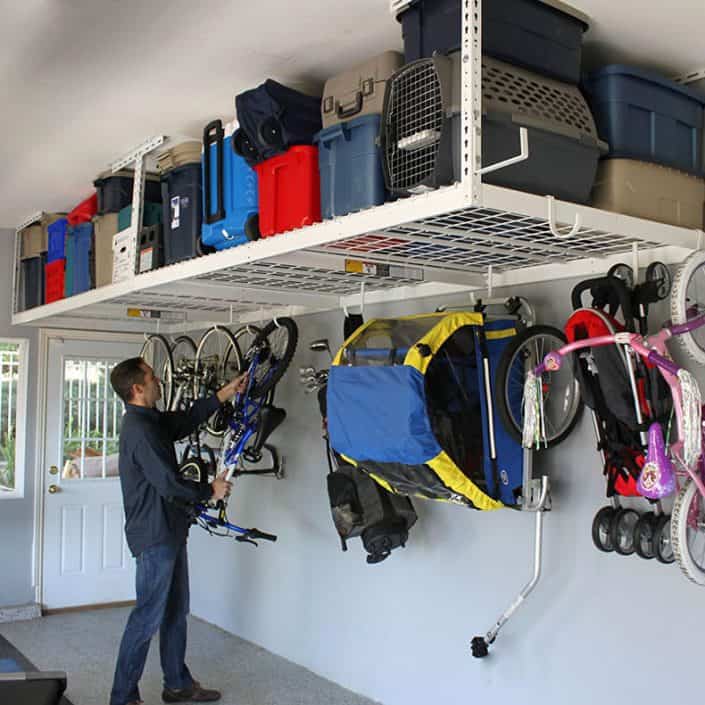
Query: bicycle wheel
pixel 184 348
pixel 156 352
pixel 275 346
pixel 561 394
pixel 218 360
pixel 688 532
pixel 688 302
pixel 183 353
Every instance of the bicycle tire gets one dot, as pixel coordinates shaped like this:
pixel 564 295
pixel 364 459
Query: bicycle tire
pixel 272 368
pixel 164 368
pixel 510 389
pixel 681 310
pixel 230 348
pixel 680 533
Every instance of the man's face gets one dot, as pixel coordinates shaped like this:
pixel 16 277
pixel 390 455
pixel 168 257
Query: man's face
pixel 150 390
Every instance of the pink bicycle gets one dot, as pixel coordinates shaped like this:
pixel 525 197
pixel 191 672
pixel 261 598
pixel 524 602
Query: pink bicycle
pixel 672 466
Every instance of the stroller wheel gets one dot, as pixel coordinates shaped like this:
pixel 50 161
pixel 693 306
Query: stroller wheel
pixel 623 525
pixel 479 647
pixel 660 274
pixel 662 540
pixel 644 536
pixel 624 272
pixel 602 529
pixel 252 227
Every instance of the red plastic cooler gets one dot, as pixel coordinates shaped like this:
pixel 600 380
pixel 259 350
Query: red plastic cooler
pixel 84 211
pixel 54 285
pixel 289 190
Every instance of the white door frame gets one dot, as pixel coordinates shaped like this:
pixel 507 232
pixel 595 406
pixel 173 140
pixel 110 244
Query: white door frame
pixel 45 337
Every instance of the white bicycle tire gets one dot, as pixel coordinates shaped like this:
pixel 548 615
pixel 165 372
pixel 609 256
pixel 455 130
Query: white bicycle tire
pixel 679 534
pixel 679 304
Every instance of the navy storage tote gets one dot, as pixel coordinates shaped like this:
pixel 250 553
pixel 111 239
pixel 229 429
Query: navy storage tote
pixel 57 239
pixel 273 118
pixel 79 252
pixel 114 191
pixel 31 292
pixel 350 166
pixel 230 198
pixel 182 212
pixel 647 117
pixel 543 36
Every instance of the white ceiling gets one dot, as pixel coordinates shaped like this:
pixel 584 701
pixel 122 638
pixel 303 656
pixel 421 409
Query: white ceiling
pixel 83 81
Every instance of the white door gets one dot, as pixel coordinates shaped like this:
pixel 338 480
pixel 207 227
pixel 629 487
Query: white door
pixel 86 560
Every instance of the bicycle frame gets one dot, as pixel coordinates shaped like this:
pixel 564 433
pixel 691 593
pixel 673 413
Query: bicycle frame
pixel 687 450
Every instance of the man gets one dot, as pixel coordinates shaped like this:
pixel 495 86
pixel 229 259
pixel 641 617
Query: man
pixel 156 527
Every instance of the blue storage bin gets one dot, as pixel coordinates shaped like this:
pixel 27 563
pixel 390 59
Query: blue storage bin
pixel 79 248
pixel 544 37
pixel 182 212
pixel 647 117
pixel 350 166
pixel 31 292
pixel 57 239
pixel 230 200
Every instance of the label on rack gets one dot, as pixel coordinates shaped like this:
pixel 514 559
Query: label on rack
pixel 167 316
pixel 146 257
pixel 376 269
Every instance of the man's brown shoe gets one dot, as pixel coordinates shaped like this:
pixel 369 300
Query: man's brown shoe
pixel 194 694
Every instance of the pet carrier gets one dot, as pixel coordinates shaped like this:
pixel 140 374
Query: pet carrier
pixel 273 118
pixel 409 400
pixel 420 133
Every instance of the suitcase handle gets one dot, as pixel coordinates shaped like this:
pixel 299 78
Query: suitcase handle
pixel 351 110
pixel 213 134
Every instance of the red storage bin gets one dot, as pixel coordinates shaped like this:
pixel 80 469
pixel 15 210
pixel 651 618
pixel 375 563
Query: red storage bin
pixel 54 284
pixel 84 211
pixel 289 190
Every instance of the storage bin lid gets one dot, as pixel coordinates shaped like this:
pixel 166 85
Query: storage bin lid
pixel 180 154
pixel 535 101
pixel 644 75
pixel 396 7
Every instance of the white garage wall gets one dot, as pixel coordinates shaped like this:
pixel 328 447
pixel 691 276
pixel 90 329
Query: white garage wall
pixel 16 515
pixel 598 628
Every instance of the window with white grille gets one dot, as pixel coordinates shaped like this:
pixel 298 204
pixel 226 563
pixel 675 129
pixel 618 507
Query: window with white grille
pixel 13 416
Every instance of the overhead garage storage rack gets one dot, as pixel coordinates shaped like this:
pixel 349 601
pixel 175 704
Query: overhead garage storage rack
pixel 459 238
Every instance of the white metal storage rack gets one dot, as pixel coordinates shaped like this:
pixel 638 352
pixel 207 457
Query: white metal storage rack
pixel 459 238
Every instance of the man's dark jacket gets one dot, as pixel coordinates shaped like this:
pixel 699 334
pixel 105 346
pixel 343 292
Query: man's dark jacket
pixel 152 492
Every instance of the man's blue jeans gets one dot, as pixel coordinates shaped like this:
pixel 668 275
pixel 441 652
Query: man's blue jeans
pixel 162 604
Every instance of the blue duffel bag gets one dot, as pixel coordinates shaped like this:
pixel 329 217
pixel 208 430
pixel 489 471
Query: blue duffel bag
pixel 273 118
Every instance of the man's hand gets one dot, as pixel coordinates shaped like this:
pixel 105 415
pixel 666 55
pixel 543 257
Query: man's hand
pixel 221 487
pixel 238 385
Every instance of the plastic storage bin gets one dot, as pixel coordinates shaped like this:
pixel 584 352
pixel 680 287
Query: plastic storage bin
pixel 57 232
pixel 151 215
pixel 54 280
pixel 230 196
pixel 182 212
pixel 180 155
pixel 104 229
pixel 544 36
pixel 150 249
pixel 84 211
pixel 114 191
pixel 32 282
pixel 359 91
pixel 34 238
pixel 79 252
pixel 350 166
pixel 650 191
pixel 647 117
pixel 289 191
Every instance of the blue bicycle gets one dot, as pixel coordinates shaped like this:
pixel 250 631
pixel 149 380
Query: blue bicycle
pixel 247 422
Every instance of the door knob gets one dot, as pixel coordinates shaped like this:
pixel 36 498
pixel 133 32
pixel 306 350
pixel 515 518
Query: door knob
pixel 53 470
pixel 53 489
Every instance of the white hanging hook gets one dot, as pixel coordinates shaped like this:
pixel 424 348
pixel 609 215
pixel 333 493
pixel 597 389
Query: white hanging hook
pixel 490 282
pixel 362 299
pixel 345 311
pixel 552 222
pixel 158 322
pixel 635 260
pixel 231 314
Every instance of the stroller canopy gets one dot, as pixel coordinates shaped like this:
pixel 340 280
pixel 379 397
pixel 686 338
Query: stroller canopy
pixel 407 402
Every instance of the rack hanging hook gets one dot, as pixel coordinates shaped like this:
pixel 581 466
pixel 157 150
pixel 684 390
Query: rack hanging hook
pixel 490 281
pixel 362 299
pixel 231 314
pixel 552 222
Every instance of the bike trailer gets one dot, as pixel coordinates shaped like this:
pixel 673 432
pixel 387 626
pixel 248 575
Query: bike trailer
pixel 409 401
pixel 273 118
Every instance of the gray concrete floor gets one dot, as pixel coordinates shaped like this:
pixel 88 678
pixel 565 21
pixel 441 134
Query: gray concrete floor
pixel 85 645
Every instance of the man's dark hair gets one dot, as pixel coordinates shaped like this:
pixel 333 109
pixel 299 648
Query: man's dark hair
pixel 125 374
